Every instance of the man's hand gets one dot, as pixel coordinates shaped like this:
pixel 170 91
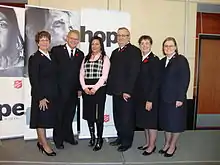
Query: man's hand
pixel 126 96
pixel 79 93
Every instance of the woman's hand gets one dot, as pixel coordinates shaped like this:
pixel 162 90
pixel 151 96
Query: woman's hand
pixel 43 104
pixel 148 106
pixel 93 91
pixel 87 91
pixel 179 104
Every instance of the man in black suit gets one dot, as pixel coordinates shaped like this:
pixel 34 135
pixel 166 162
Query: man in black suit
pixel 125 66
pixel 69 59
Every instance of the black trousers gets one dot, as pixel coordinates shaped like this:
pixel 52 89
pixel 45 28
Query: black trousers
pixel 63 127
pixel 124 118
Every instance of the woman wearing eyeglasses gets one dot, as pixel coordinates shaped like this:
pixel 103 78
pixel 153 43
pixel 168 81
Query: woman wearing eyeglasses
pixel 174 85
pixel 44 91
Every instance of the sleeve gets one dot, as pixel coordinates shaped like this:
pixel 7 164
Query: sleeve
pixel 81 75
pixel 132 70
pixel 155 82
pixel 105 71
pixel 184 79
pixel 33 70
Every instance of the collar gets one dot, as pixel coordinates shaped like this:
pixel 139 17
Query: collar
pixel 168 58
pixel 46 54
pixel 124 46
pixel 69 48
pixel 146 55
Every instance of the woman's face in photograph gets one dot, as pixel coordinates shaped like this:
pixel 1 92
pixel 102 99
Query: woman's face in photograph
pixel 4 30
pixel 57 24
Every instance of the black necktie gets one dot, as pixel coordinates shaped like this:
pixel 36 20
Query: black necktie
pixel 71 55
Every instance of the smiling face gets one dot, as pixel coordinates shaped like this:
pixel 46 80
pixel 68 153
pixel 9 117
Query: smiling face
pixel 44 43
pixel 169 48
pixel 96 46
pixel 72 39
pixel 123 37
pixel 4 32
pixel 145 46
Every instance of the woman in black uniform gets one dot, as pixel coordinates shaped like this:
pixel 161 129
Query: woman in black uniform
pixel 93 75
pixel 44 91
pixel 146 94
pixel 175 77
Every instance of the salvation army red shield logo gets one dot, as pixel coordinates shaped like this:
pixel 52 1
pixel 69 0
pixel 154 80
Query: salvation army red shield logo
pixel 17 84
pixel 106 118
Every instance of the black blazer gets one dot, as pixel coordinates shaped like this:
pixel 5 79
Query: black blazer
pixel 68 69
pixel 175 79
pixel 42 76
pixel 125 66
pixel 147 85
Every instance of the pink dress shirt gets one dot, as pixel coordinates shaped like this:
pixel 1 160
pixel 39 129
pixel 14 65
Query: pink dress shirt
pixel 102 79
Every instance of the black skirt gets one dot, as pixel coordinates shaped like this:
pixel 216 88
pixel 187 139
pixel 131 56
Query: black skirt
pixel 94 105
pixel 172 119
pixel 40 118
pixel 146 119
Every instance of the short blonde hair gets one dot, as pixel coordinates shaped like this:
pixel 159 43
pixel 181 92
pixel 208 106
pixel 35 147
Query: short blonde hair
pixel 74 31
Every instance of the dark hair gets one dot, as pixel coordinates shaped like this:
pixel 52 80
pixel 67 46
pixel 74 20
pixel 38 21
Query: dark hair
pixel 145 37
pixel 42 34
pixel 170 39
pixel 90 47
pixel 15 39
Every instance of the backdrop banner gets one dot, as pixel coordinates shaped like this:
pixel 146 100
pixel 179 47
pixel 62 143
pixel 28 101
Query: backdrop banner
pixel 103 23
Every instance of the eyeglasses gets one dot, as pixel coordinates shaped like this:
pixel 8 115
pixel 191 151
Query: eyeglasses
pixel 44 40
pixel 169 46
pixel 123 35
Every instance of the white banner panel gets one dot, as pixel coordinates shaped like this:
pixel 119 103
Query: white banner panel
pixel 103 23
pixel 58 23
pixel 11 71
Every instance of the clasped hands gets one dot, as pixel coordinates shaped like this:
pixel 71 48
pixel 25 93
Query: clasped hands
pixel 90 91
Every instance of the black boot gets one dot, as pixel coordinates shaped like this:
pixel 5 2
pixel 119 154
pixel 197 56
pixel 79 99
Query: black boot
pixel 92 133
pixel 99 141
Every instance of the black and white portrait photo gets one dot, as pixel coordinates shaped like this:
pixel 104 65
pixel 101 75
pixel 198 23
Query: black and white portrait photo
pixel 11 44
pixel 57 22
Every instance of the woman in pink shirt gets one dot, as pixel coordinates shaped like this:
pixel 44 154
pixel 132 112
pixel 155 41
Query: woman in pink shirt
pixel 93 75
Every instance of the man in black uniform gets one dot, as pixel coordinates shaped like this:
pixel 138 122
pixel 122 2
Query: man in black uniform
pixel 69 59
pixel 125 66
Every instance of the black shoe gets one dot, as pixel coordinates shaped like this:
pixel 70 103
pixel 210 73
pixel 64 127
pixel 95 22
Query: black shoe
pixel 123 148
pixel 142 148
pixel 61 146
pixel 98 145
pixel 41 148
pixel 145 153
pixel 161 151
pixel 72 142
pixel 115 142
pixel 47 153
pixel 169 155
pixel 92 142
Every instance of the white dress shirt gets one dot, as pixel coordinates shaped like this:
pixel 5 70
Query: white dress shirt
pixel 69 50
pixel 168 59
pixel 45 54
pixel 145 56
